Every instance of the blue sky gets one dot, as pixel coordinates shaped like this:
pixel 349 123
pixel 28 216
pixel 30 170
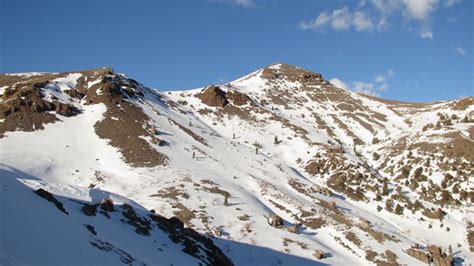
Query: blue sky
pixel 411 50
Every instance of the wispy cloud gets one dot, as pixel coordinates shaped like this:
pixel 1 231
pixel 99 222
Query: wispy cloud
pixel 461 51
pixel 339 19
pixel 241 3
pixel 451 2
pixel 379 15
pixel 374 88
pixel 244 3
pixel 426 35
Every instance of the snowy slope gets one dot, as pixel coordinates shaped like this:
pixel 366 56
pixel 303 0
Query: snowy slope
pixel 211 176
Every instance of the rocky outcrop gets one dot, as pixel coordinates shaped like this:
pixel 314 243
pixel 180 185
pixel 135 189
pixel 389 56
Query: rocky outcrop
pixel 194 243
pixel 419 255
pixel 213 96
pixel 216 97
pixel 49 197
pixel 268 73
pixel 238 98
pixel 319 254
pixel 433 255
pixel 25 109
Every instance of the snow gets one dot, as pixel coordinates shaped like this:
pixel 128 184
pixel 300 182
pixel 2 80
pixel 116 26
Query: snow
pixel 2 89
pixel 56 88
pixel 67 156
pixel 28 74
pixel 94 82
pixel 52 238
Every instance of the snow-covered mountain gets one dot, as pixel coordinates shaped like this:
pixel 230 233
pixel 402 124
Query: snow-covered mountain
pixel 279 167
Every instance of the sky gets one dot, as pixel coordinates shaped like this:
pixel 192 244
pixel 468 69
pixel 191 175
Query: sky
pixel 409 50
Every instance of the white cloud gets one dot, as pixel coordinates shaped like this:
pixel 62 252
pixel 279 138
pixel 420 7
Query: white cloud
pixel 461 51
pixel 339 83
pixel 341 19
pixel 384 77
pixel 451 2
pixel 380 79
pixel 322 20
pixel 362 22
pixel 391 73
pixel 420 9
pixel 365 88
pixel 384 87
pixel 245 3
pixel 373 88
pixel 379 15
pixel 426 35
pixel 242 3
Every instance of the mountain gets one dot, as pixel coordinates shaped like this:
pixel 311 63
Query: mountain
pixel 277 167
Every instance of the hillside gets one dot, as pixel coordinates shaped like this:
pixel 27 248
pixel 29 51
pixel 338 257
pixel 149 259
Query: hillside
pixel 274 168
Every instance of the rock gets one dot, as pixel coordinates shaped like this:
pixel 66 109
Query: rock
pixel 443 261
pixel 269 74
pixel 107 205
pixel 434 250
pixel 293 229
pixel 65 109
pixel 438 214
pixel 311 76
pixel 176 222
pixel 365 223
pixel 419 255
pixel 213 96
pixel 49 197
pixel 217 231
pixel 319 254
pixel 275 220
pixel 326 192
pixel 89 210
pixel 238 98
pixel 159 142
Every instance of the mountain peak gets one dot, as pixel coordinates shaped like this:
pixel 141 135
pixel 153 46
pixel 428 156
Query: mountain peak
pixel 290 73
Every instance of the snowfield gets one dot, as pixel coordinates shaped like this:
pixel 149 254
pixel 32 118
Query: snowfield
pixel 227 173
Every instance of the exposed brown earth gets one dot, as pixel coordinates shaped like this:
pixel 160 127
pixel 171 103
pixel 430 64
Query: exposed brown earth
pixel 23 108
pixel 216 97
pixel 190 132
pixel 213 96
pixel 238 98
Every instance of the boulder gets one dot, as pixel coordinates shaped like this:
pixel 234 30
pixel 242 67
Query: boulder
pixel 293 229
pixel 217 231
pixel 275 220
pixel 319 254
pixel 107 205
pixel 89 209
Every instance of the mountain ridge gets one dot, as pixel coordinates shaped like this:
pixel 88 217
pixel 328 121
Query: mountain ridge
pixel 348 175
